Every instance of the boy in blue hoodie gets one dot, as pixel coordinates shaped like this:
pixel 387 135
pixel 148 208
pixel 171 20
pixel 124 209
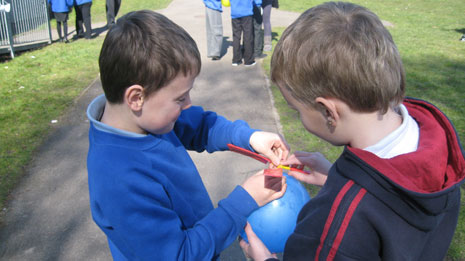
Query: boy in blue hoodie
pixel 242 27
pixel 60 9
pixel 145 192
pixel 394 192
pixel 83 18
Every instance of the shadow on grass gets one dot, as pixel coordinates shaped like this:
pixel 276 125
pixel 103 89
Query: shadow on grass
pixel 462 31
pixel 274 36
pixel 440 80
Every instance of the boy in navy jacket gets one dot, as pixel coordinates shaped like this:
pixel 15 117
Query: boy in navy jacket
pixel 394 193
pixel 145 192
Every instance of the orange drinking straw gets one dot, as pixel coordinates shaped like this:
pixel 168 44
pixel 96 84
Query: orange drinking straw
pixel 261 158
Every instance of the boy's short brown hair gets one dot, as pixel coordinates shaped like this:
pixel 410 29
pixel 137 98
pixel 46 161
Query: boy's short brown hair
pixel 340 50
pixel 147 49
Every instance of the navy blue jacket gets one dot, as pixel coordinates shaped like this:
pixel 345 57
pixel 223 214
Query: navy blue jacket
pixel 403 208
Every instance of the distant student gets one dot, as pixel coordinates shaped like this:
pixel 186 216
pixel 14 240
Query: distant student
pixel 257 30
pixel 266 6
pixel 112 8
pixel 242 26
pixel 145 191
pixel 394 193
pixel 83 17
pixel 214 28
pixel 60 9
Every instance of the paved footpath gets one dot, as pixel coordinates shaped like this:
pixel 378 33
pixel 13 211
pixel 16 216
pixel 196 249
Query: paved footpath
pixel 48 216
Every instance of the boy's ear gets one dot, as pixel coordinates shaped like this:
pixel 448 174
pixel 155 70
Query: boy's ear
pixel 329 109
pixel 134 97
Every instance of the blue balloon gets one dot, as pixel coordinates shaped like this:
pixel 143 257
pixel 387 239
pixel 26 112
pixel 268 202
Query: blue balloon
pixel 275 222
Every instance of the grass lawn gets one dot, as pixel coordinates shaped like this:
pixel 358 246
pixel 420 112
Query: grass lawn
pixel 427 34
pixel 38 86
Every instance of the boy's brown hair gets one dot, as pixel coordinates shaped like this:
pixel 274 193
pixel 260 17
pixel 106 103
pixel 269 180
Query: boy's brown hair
pixel 147 49
pixel 340 50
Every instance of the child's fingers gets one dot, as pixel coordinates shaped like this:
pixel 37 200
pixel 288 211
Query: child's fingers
pixel 285 150
pixel 300 153
pixel 285 154
pixel 251 236
pixel 243 244
pixel 275 154
pixel 280 151
pixel 298 175
pixel 292 160
pixel 245 248
pixel 283 189
pixel 256 249
pixel 312 178
pixel 249 231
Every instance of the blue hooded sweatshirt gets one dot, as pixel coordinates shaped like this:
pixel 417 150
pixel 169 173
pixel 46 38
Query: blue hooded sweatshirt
pixel 148 197
pixel 213 4
pixel 241 8
pixel 61 6
pixel 81 2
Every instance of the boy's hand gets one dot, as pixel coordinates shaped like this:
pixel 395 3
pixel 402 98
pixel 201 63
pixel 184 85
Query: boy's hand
pixel 255 249
pixel 271 145
pixel 255 186
pixel 318 164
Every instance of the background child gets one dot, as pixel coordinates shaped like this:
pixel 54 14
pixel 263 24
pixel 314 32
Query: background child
pixel 83 18
pixel 266 6
pixel 145 192
pixel 394 193
pixel 257 30
pixel 242 25
pixel 214 28
pixel 112 8
pixel 60 9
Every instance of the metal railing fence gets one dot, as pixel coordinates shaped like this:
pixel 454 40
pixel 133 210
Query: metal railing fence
pixel 24 24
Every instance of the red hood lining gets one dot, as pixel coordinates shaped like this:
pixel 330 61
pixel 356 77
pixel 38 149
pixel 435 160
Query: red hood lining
pixel 438 162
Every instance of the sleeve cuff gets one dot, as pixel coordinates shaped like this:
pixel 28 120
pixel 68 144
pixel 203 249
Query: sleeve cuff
pixel 239 203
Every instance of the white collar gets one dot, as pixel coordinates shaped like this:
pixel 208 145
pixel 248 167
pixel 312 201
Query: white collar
pixel 401 141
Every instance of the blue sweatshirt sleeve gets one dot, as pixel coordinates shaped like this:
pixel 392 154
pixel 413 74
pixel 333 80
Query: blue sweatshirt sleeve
pixel 201 130
pixel 213 4
pixel 139 218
